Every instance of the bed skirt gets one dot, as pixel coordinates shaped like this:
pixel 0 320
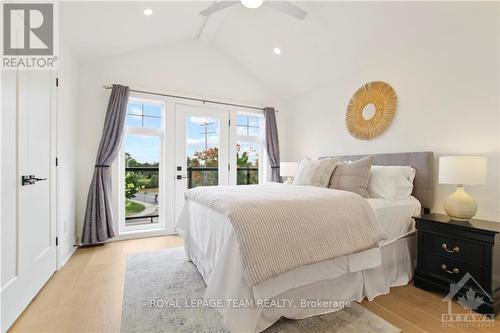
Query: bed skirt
pixel 398 261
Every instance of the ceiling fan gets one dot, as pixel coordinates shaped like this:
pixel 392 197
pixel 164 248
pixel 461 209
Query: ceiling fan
pixel 285 7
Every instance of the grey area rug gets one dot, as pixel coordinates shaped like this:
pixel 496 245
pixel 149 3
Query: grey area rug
pixel 166 275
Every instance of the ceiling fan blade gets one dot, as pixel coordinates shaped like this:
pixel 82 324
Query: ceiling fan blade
pixel 287 8
pixel 220 5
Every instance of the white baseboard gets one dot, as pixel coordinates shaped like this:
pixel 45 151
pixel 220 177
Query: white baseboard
pixel 65 259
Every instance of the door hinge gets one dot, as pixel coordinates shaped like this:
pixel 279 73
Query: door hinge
pixel 57 241
pixel 57 82
pixel 229 122
pixel 229 167
pixel 57 161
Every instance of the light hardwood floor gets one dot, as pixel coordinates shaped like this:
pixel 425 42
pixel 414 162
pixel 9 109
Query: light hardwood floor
pixel 86 295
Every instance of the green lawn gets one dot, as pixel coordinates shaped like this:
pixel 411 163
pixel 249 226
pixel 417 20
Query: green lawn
pixel 132 208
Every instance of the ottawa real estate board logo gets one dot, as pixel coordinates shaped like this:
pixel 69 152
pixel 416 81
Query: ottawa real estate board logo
pixel 472 299
pixel 28 36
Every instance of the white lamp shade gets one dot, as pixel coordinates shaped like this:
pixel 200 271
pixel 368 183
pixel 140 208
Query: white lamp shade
pixel 288 169
pixel 465 170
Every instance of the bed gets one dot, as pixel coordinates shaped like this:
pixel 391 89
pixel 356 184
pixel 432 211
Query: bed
pixel 212 245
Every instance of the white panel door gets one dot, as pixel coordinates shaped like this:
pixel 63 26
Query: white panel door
pixel 28 208
pixel 202 149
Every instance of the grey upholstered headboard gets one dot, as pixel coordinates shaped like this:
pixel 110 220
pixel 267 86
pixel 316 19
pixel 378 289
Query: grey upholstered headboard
pixel 423 162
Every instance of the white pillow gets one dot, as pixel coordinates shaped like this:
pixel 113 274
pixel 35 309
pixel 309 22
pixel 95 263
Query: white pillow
pixel 391 182
pixel 315 172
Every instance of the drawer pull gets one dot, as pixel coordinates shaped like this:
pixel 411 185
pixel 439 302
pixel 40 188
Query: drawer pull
pixel 453 271
pixel 455 249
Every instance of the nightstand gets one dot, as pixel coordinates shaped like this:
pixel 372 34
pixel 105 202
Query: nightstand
pixel 448 249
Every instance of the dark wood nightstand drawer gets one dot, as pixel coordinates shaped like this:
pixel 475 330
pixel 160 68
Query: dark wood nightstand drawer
pixel 450 269
pixel 454 248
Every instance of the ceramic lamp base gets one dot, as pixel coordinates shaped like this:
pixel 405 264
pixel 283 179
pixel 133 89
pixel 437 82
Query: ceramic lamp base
pixel 460 205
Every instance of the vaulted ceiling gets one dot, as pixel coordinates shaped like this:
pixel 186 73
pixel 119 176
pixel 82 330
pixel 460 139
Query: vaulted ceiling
pixel 97 29
pixel 336 38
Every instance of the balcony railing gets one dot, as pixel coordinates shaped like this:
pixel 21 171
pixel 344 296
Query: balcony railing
pixel 209 176
pixel 247 176
pixel 196 176
pixel 202 176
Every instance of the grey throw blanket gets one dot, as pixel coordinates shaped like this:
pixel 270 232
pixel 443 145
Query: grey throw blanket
pixel 283 227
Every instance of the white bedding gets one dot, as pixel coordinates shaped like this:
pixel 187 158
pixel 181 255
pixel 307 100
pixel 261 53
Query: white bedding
pixel 211 244
pixel 299 225
pixel 395 217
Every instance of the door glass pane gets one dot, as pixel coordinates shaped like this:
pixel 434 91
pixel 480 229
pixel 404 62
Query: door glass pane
pixel 202 151
pixel 152 110
pixel 151 122
pixel 248 125
pixel 144 115
pixel 247 160
pixel 134 115
pixel 142 162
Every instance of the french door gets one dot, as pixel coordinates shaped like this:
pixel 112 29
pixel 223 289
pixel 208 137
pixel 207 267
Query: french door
pixel 170 147
pixel 143 174
pixel 202 155
pixel 28 204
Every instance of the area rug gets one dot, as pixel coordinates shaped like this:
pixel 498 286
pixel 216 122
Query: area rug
pixel 154 278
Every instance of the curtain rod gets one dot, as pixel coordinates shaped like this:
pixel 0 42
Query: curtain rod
pixel 109 86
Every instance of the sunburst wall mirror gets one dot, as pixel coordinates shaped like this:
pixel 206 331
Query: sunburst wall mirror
pixel 371 110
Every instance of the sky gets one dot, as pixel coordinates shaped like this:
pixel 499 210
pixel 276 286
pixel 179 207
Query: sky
pixel 143 148
pixel 195 139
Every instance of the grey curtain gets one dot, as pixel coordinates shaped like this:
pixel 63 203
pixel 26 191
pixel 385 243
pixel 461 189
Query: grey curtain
pixel 272 144
pixel 98 223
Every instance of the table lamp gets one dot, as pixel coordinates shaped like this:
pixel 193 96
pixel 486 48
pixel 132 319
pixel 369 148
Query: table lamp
pixel 460 171
pixel 288 169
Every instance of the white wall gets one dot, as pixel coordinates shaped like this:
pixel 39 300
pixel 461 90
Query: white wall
pixel 447 81
pixel 186 68
pixel 67 108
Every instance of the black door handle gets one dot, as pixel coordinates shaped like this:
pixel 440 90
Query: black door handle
pixel 30 180
pixel 39 179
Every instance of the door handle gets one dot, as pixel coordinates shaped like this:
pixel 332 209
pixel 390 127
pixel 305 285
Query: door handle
pixel 179 177
pixel 30 180
pixel 39 179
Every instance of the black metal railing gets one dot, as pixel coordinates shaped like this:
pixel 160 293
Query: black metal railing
pixel 209 176
pixel 150 217
pixel 202 176
pixel 247 176
pixel 142 169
